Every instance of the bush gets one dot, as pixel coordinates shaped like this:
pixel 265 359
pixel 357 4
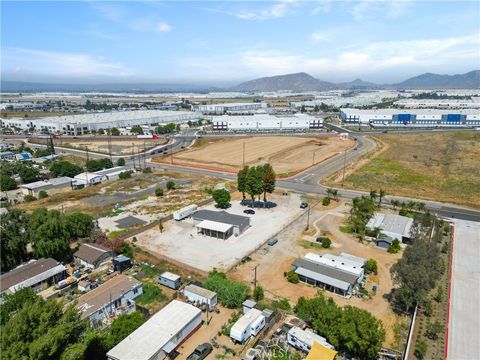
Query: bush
pixel 230 293
pixel 125 175
pixel 7 183
pixel 326 201
pixel 29 198
pixel 421 348
pixel 42 194
pixel 394 247
pixel 170 185
pixel 121 162
pixel 158 192
pixel 147 170
pixel 222 198
pixel 293 277
pixel 65 168
pixel 326 242
pixel 371 266
pixel 258 293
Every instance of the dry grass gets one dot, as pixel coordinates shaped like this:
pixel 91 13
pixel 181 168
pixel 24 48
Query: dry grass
pixel 443 167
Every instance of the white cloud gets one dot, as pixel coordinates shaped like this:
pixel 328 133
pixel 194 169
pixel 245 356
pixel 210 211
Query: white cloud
pixel 279 9
pixel 164 27
pixel 322 7
pixel 59 64
pixel 369 9
pixel 320 36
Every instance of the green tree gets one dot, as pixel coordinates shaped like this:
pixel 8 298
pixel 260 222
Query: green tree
pixel 394 247
pixel 29 198
pixel 326 242
pixel 7 183
pixel 221 198
pixel 421 348
pixel 14 302
pixel 258 293
pixel 230 293
pixel 137 129
pixel 433 329
pixel 326 201
pixel 371 266
pixel 381 195
pixel 242 180
pixel 65 168
pixel 170 185
pixel 101 132
pixel 79 225
pixel 28 173
pixel 14 239
pixel 292 277
pixel 114 131
pixel 121 162
pixel 158 192
pixel 49 234
pixel 123 326
pixel 373 195
pixel 124 175
pixel 42 194
pixel 254 184
pixel 126 250
pixel 268 180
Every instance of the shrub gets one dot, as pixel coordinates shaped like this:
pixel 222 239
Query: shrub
pixel 158 192
pixel 221 198
pixel 292 277
pixel 326 201
pixel 230 293
pixel 258 293
pixel 42 194
pixel 326 242
pixel 371 266
pixel 170 185
pixel 147 170
pixel 394 247
pixel 29 198
pixel 121 162
pixel 125 175
pixel 421 349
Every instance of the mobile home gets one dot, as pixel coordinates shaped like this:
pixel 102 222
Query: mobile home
pixel 198 295
pixel 185 212
pixel 168 279
pixel 248 325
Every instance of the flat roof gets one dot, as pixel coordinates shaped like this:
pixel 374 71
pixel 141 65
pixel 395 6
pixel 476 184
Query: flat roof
pixel 37 185
pixel 214 226
pixel 28 274
pixel 170 276
pixel 153 335
pixel 344 263
pixel 247 319
pixel 109 291
pixel 208 294
pixel 391 223
pixel 263 117
pixel 308 337
pixel 409 111
pixel 222 217
pixel 113 170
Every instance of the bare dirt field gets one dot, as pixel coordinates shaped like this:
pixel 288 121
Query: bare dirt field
pixel 274 261
pixel 287 154
pixel 122 147
pixel 436 166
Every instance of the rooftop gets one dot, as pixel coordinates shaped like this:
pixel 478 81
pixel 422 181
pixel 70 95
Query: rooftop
pixel 170 276
pixel 222 217
pixel 108 292
pixel 114 170
pixel 247 319
pixel 91 252
pixel 145 342
pixel 343 263
pixel 30 273
pixel 214 226
pixel 201 291
pixel 391 223
pixel 308 337
pixel 409 111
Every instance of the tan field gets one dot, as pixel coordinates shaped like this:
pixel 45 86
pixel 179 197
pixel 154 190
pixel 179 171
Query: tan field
pixel 287 154
pixel 117 147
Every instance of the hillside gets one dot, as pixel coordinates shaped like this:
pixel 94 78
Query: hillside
pixel 295 82
pixel 470 80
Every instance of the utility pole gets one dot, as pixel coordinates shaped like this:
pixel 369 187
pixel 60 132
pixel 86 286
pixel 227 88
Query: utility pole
pixel 255 279
pixel 171 154
pixel 344 165
pixel 109 142
pixel 133 154
pixel 86 169
pixel 308 218
pixel 144 156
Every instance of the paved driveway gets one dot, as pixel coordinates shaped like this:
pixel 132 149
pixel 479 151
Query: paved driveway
pixel 464 324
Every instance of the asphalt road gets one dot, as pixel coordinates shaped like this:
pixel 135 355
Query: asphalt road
pixel 464 319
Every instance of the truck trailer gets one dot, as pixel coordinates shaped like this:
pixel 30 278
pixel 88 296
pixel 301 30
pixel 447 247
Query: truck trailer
pixel 185 212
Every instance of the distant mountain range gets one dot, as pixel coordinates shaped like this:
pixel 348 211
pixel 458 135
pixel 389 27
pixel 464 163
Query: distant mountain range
pixel 298 82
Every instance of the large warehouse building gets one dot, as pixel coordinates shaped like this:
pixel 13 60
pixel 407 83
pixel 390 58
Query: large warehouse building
pixel 266 122
pixel 160 335
pixel 80 124
pixel 230 108
pixel 422 118
pixel 473 103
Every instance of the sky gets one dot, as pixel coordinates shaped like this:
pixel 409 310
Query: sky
pixel 226 42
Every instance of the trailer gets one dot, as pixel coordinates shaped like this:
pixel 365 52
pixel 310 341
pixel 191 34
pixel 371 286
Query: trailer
pixel 170 280
pixel 185 212
pixel 148 136
pixel 303 339
pixel 248 325
pixel 200 296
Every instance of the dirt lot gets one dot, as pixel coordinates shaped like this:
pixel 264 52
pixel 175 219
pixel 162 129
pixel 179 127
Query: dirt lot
pixel 287 154
pixel 181 242
pixel 437 166
pixel 274 261
pixel 117 147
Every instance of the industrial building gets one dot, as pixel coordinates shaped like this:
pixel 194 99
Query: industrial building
pixel 229 108
pixel 304 339
pixel 265 122
pixel 415 118
pixel 36 187
pixel 391 227
pixel 160 335
pixel 85 123
pixel 339 274
pixel 473 103
pixel 114 297
pixel 200 296
pixel 36 274
pixel 92 255
pixel 219 224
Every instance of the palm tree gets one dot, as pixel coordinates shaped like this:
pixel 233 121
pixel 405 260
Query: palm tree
pixel 335 194
pixel 329 192
pixel 373 194
pixel 381 196
pixel 395 203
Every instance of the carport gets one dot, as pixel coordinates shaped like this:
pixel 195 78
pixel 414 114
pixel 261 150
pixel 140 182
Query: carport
pixel 215 229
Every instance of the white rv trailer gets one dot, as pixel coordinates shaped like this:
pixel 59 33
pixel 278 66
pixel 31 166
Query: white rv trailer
pixel 185 212
pixel 248 325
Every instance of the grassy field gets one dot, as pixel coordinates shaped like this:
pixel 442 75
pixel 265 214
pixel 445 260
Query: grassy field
pixel 438 166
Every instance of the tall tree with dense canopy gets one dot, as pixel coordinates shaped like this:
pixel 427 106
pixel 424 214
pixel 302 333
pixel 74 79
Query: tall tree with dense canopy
pixel 65 168
pixel 242 181
pixel 7 183
pixel 222 198
pixel 268 180
pixel 13 239
pixel 254 184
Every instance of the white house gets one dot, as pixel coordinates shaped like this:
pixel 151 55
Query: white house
pixel 80 180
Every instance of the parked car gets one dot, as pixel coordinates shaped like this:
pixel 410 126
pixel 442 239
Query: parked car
pixel 272 241
pixel 303 205
pixel 200 352
pixel 249 212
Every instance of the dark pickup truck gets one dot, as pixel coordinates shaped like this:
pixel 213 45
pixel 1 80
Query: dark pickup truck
pixel 200 352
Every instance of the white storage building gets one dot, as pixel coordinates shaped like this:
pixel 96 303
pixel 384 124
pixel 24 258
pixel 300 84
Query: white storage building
pixel 171 280
pixel 248 325
pixel 303 339
pixel 160 335
pixel 265 122
pixel 185 212
pixel 230 108
pixel 198 295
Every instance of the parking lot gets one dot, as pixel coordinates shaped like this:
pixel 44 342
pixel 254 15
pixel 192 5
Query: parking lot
pixel 180 241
